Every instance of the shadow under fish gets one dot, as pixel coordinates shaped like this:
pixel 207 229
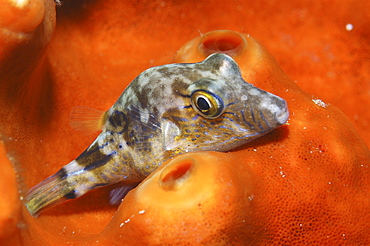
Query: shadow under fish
pixel 166 111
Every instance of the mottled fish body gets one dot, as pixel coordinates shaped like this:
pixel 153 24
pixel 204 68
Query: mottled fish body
pixel 166 111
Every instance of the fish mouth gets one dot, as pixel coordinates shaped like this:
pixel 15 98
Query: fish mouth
pixel 282 116
pixel 276 111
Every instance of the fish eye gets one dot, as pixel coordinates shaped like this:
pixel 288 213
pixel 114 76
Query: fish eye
pixel 207 104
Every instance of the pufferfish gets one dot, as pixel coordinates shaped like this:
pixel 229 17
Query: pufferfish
pixel 166 111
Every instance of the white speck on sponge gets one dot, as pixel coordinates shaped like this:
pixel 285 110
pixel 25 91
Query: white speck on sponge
pixel 319 102
pixel 349 27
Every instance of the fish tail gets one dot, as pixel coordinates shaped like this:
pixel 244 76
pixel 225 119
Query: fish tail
pixel 50 192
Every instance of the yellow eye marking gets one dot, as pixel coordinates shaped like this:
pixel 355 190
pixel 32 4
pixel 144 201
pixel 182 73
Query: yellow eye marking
pixel 207 104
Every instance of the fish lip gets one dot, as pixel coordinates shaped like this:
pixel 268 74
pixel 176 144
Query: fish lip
pixel 282 116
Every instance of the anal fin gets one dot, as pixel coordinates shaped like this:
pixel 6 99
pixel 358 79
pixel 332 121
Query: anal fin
pixel 117 194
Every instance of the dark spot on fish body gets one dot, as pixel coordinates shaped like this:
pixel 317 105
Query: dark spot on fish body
pixel 192 75
pixel 71 195
pixel 155 111
pixel 166 72
pixel 105 177
pixel 118 120
pixel 143 96
pixel 178 85
pixel 62 174
pixel 98 163
pixel 93 158
pixel 124 156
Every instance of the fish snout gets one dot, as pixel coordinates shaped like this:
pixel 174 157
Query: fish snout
pixel 278 109
pixel 283 115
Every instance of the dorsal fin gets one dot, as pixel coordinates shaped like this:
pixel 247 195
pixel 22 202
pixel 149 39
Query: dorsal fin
pixel 87 120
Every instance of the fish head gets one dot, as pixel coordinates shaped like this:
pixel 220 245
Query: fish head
pixel 223 111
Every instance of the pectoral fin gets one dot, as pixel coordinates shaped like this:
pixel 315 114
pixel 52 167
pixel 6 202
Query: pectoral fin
pixel 87 120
